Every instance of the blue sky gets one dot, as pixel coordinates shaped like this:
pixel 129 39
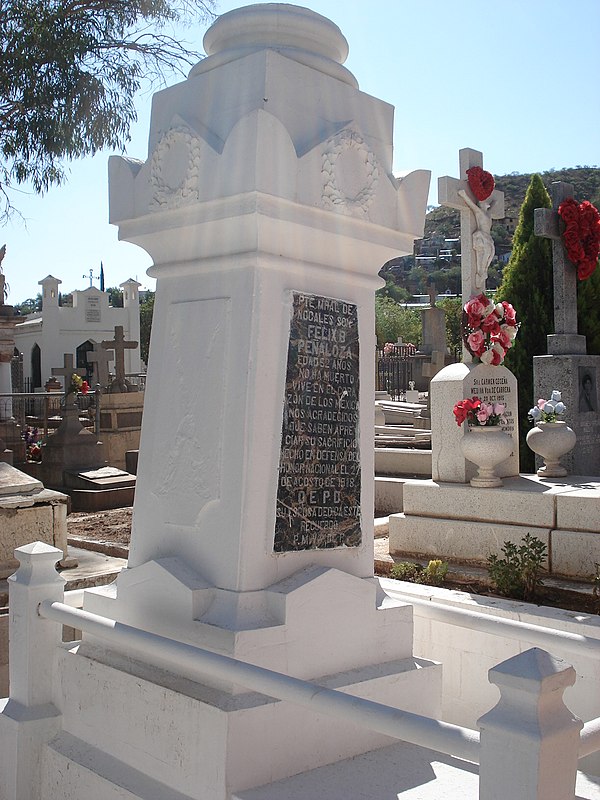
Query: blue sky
pixel 519 80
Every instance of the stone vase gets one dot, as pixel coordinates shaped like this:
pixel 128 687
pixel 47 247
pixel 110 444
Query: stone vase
pixel 486 447
pixel 551 441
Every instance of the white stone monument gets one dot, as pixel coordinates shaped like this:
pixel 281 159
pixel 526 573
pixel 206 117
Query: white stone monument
pixel 457 381
pixel 267 204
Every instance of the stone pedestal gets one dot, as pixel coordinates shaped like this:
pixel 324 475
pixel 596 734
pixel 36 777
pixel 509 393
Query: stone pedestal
pixel 71 448
pixel 28 511
pixel 577 377
pixel 463 524
pixel 120 425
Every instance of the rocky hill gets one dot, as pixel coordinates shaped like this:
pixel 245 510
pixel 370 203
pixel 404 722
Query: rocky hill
pixel 585 180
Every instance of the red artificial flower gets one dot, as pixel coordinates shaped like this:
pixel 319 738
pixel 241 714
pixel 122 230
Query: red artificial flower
pixel 466 408
pixel 84 387
pixel 581 237
pixel 481 183
pixel 490 324
pixel 510 316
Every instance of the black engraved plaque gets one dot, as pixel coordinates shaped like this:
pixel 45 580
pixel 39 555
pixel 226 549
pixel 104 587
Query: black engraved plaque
pixel 318 493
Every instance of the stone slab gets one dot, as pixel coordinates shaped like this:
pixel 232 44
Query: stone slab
pixel 395 461
pixel 103 499
pixel 108 478
pixel 575 553
pixel 389 495
pixel 455 539
pixel 13 481
pixel 41 518
pixel 518 502
pixel 578 505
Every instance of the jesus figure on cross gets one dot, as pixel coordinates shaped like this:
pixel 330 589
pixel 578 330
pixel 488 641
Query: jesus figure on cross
pixel 483 244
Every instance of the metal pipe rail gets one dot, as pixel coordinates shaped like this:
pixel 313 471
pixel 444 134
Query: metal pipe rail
pixel 544 637
pixel 195 663
pixel 539 635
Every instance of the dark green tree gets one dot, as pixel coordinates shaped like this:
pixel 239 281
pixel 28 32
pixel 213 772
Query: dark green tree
pixel 115 296
pixel 392 321
pixel 452 306
pixel 527 284
pixel 146 313
pixel 588 311
pixel 397 293
pixel 69 75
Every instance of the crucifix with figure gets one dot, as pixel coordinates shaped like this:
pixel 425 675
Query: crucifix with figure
pixel 547 223
pixel 68 370
pixel 477 249
pixel 119 344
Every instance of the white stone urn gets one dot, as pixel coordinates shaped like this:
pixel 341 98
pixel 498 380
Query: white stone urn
pixel 551 441
pixel 486 446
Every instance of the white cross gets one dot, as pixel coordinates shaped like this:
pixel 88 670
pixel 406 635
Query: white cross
pixel 473 216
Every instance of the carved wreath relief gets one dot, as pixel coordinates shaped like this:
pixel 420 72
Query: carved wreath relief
pixel 175 169
pixel 349 173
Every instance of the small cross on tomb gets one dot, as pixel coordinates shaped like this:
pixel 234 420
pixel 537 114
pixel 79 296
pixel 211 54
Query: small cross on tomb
pixel 477 246
pixel 100 358
pixel 547 223
pixel 68 370
pixel 119 344
pixel 432 294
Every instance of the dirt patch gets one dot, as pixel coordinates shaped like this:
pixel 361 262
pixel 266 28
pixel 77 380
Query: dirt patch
pixel 112 526
pixel 110 532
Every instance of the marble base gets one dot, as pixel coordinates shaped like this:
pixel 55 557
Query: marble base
pixel 461 523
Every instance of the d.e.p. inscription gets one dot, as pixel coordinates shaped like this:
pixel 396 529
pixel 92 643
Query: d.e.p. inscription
pixel 318 493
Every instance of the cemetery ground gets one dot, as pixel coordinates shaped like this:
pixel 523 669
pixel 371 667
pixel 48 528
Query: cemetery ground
pixel 108 532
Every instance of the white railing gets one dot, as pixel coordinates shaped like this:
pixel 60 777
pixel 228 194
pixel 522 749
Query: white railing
pixel 531 687
pixel 539 635
pixel 197 664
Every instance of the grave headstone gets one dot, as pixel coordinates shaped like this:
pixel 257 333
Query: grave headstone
pixel 72 447
pixel 568 367
pixel 457 381
pixel 263 329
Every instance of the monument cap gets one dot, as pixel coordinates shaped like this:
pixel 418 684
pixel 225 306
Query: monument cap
pixel 295 31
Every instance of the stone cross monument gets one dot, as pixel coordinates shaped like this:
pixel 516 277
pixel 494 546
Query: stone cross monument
pixel 100 357
pixel 475 222
pixel 567 367
pixel 267 203
pixel 67 370
pixel 547 223
pixel 457 381
pixel 119 344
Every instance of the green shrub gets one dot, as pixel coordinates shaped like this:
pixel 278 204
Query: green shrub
pixel 433 574
pixel 518 574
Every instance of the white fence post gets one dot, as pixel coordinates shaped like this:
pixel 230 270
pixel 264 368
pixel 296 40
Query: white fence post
pixel 29 719
pixel 530 739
